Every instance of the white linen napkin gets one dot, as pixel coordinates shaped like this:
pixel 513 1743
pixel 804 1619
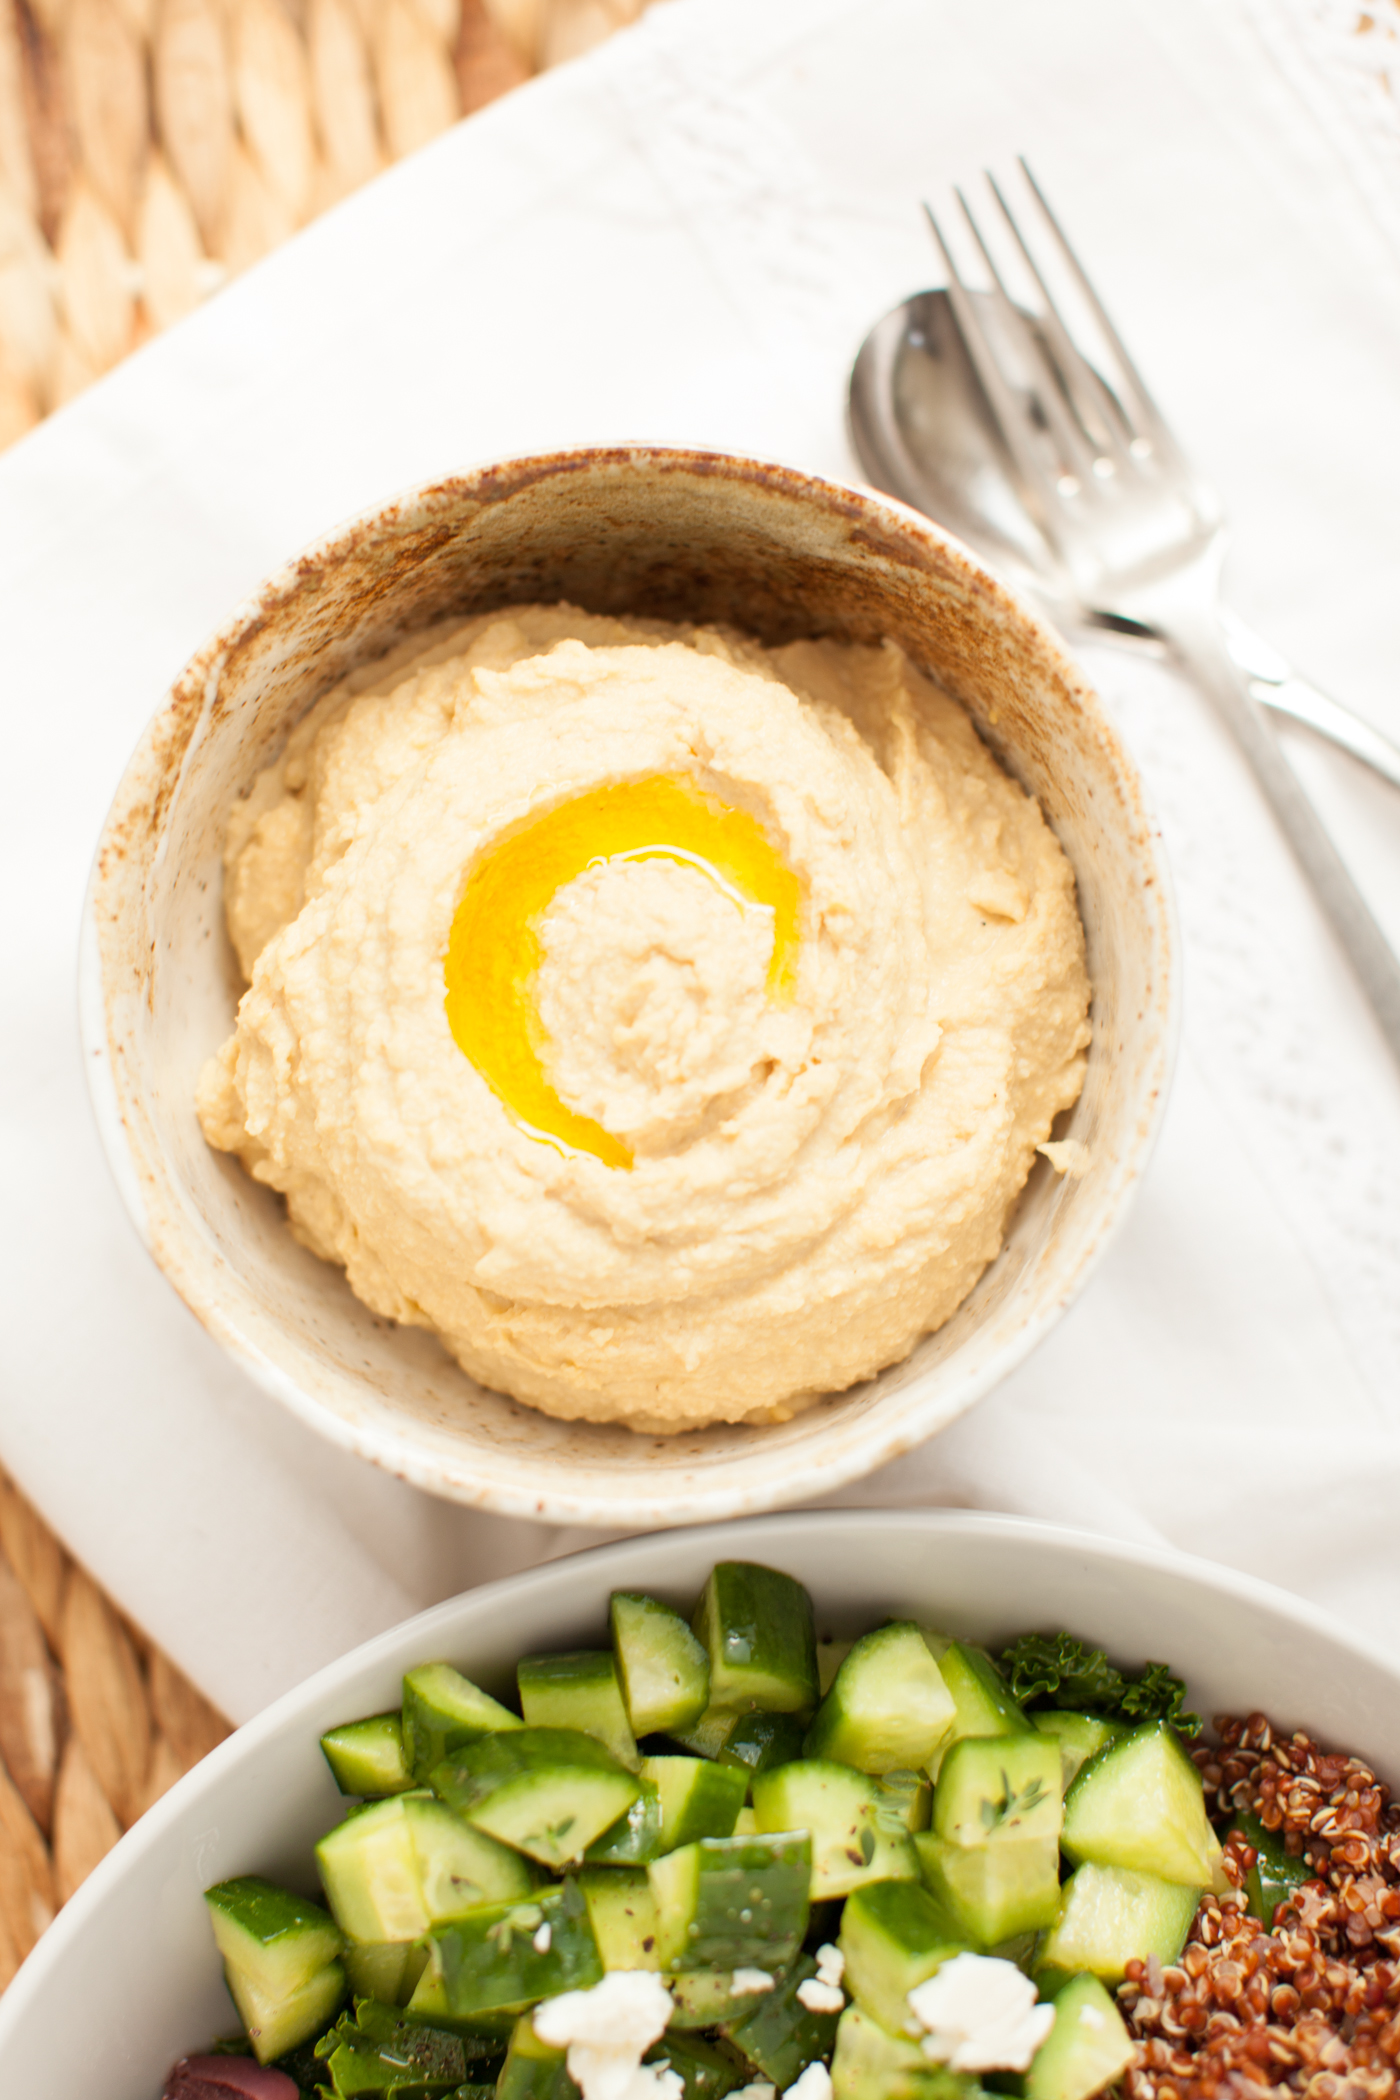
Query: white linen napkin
pixel 684 237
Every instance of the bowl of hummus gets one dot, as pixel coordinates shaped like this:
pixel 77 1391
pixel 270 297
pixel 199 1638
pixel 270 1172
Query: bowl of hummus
pixel 629 986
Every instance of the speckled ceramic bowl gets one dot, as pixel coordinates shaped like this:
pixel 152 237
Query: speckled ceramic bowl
pixel 632 529
pixel 127 1978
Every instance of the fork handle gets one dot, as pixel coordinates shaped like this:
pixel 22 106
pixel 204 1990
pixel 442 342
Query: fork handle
pixel 1184 615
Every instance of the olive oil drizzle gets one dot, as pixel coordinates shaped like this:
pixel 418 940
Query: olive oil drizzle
pixel 494 950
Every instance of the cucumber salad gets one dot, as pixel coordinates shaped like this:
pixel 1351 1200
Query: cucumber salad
pixel 722 1857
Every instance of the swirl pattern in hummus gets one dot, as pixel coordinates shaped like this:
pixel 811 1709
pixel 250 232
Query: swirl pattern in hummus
pixel 812 1180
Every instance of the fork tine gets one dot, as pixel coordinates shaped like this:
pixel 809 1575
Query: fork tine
pixel 1105 424
pixel 1076 453
pixel 1007 410
pixel 1149 415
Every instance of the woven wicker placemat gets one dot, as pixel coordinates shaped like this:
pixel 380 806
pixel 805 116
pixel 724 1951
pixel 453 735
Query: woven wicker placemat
pixel 151 149
pixel 95 1724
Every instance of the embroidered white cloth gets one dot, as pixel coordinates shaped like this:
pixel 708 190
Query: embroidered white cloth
pixel 685 237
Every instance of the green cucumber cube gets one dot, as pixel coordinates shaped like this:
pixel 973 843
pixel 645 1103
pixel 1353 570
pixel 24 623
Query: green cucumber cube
pixel 853 1838
pixel 370 1874
pixel 442 1710
pixel 872 2064
pixel 895 1935
pixel 980 1694
pixel 757 1628
pixel 510 1956
pixel 274 2023
pixel 459 1868
pixel 698 1799
pixel 578 1690
pixel 549 1792
pixel 665 1672
pixel 388 1973
pixel 993 1789
pixel 703 1998
pixel 733 1903
pixel 995 1892
pixel 1109 1916
pixel 532 2070
pixel 635 1838
pixel 1080 1737
pixel 367 1757
pixel 1140 1804
pixel 888 1709
pixel 707 1736
pixel 276 1940
pixel 780 2036
pixel 622 1914
pixel 705 2074
pixel 758 1742
pixel 1087 2048
pixel 831 1653
pixel 906 1800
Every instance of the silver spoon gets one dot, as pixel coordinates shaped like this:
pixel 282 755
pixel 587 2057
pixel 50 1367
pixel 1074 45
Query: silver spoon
pixel 924 432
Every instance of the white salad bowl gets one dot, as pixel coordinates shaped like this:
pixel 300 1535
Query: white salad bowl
pixel 630 529
pixel 127 1979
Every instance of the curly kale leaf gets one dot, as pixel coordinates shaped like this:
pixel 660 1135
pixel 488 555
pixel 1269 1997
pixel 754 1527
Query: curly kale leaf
pixel 1057 1670
pixel 1158 1696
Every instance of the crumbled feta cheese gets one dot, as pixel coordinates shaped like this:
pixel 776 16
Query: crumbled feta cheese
pixel 759 2090
pixel 814 2084
pixel 831 1963
pixel 542 1938
pixel 980 2015
pixel 607 2031
pixel 820 1997
pixel 750 1983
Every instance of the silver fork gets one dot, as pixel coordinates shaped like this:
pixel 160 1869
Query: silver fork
pixel 1140 534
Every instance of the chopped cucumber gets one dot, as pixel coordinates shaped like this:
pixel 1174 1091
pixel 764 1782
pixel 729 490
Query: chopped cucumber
pixel 549 1792
pixel 698 1799
pixel 578 1690
pixel 993 1789
pixel 852 1840
pixel 872 2064
pixel 707 1736
pixel 831 1653
pixel 1080 1737
pixel 367 1757
pixel 509 1956
pixel 276 2024
pixel 402 1865
pixel 980 1694
pixel 1087 2048
pixel 442 1710
pixel 665 1672
pixel 780 2036
pixel 635 1838
pixel 1140 1804
pixel 532 2070
pixel 388 1972
pixel 888 1709
pixel 996 1891
pixel 704 1998
pixel 895 1935
pixel 733 1903
pixel 756 1627
pixel 760 1741
pixel 1109 1916
pixel 905 1799
pixel 276 1940
pixel 1276 1874
pixel 622 1913
pixel 705 2074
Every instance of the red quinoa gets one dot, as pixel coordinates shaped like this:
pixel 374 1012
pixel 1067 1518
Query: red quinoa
pixel 1314 2005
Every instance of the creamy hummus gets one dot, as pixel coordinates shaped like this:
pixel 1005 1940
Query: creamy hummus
pixel 720 1119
